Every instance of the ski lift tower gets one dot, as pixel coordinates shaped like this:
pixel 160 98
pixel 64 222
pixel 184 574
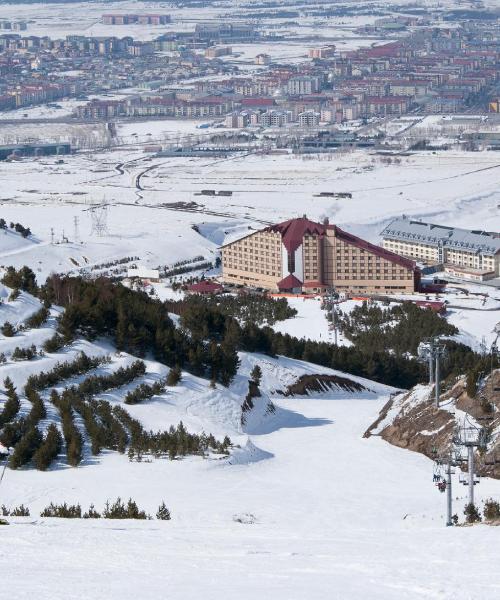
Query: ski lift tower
pixel 494 355
pixel 425 354
pixel 470 436
pixel 432 351
pixel 444 468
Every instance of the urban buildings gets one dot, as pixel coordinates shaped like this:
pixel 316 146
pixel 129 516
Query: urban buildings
pixel 216 51
pixel 142 19
pixel 302 256
pixel 303 85
pixel 467 254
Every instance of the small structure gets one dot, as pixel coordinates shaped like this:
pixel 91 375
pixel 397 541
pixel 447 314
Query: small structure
pixel 145 275
pixel 205 287
pixel 434 305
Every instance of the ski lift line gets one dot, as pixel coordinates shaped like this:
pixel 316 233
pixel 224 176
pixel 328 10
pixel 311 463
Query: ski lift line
pixel 3 471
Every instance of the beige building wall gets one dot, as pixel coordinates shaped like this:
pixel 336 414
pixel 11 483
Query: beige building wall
pixel 358 270
pixel 412 250
pixel 254 260
pixel 312 250
pixel 460 258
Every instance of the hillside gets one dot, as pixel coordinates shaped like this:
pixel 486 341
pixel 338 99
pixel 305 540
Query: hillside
pixel 302 504
pixel 410 420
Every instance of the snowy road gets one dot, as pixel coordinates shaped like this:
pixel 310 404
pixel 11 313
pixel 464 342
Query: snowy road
pixel 337 516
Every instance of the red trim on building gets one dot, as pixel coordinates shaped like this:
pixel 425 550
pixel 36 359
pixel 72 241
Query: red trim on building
pixel 205 287
pixel 313 284
pixel 377 250
pixel 289 283
pixel 293 231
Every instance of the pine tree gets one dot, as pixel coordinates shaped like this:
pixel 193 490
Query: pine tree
pixel 491 510
pixel 49 449
pixel 163 514
pixel 256 375
pixel 8 329
pixel 472 513
pixel 174 376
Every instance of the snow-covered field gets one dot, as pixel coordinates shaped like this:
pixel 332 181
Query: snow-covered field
pixel 304 507
pixel 324 512
pixel 154 203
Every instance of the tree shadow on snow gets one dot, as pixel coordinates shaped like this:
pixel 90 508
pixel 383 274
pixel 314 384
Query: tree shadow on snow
pixel 283 418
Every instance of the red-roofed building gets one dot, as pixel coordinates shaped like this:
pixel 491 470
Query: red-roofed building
pixel 205 287
pixel 257 102
pixel 434 305
pixel 302 256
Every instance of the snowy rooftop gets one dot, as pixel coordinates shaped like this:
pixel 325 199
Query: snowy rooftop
pixel 406 229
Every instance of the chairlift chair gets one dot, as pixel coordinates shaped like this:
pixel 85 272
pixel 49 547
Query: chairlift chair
pixel 491 460
pixel 437 474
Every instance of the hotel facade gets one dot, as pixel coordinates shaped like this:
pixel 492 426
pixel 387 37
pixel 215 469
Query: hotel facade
pixel 302 256
pixel 469 254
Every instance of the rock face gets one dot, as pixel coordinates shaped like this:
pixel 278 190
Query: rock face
pixel 410 420
pixel 310 384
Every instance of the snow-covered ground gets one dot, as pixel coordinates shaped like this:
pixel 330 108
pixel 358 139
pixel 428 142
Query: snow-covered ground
pixel 324 512
pixel 303 507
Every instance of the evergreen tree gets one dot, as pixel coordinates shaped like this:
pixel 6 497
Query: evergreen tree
pixel 25 448
pixel 472 514
pixel 8 329
pixel 174 376
pixel 491 510
pixel 163 514
pixel 256 375
pixel 49 449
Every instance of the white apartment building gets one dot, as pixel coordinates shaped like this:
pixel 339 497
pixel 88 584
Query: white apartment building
pixel 275 118
pixel 303 85
pixel 309 118
pixel 470 254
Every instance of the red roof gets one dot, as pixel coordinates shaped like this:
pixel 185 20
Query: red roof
pixel 293 231
pixel 205 287
pixel 290 282
pixel 377 250
pixel 257 102
pixel 432 305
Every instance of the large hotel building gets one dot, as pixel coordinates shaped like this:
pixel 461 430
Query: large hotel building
pixel 301 256
pixel 470 254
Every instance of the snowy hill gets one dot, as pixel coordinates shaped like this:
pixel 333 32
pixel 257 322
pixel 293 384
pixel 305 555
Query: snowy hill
pixel 302 507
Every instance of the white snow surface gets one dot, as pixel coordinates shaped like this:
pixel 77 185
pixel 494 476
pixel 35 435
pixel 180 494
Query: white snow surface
pixel 304 506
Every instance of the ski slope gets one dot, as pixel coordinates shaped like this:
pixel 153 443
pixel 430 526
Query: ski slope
pixel 304 507
pixel 325 514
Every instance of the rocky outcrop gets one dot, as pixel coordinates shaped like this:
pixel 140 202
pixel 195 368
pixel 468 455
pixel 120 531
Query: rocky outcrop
pixel 311 384
pixel 411 420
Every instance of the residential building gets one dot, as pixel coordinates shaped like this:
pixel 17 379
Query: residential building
pixel 303 85
pixel 302 256
pixel 475 252
pixel 275 118
pixel 309 118
pixel 216 51
pixel 321 53
pixel 262 59
pixel 127 19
